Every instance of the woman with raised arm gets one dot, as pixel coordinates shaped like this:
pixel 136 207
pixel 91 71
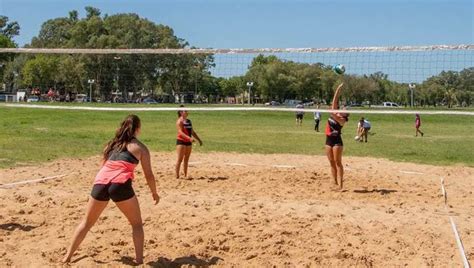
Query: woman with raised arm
pixel 184 141
pixel 334 144
pixel 114 181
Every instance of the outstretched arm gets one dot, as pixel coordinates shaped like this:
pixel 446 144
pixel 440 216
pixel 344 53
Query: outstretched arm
pixel 335 99
pixel 335 106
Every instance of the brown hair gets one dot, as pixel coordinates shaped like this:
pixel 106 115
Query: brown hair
pixel 123 135
pixel 180 111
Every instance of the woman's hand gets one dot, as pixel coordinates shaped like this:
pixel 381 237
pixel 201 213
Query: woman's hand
pixel 156 197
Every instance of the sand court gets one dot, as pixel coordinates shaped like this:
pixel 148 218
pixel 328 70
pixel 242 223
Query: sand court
pixel 246 210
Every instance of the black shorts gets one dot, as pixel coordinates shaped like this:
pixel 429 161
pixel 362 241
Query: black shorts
pixel 185 143
pixel 299 116
pixel 334 141
pixel 115 191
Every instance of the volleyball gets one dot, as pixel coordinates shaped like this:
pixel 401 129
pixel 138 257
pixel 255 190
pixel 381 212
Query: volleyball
pixel 339 68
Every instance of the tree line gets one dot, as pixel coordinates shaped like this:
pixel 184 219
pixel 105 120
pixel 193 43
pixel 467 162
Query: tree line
pixel 274 78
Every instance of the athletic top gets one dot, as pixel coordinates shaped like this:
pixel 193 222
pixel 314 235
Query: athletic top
pixel 118 168
pixel 317 115
pixel 187 129
pixel 366 124
pixel 417 122
pixel 333 128
pixel 299 106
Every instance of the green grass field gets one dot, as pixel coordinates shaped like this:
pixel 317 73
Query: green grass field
pixel 29 136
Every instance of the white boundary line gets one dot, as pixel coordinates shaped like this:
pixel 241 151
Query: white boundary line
pixel 10 185
pixel 411 172
pixel 237 164
pixel 283 166
pixel 209 109
pixel 453 226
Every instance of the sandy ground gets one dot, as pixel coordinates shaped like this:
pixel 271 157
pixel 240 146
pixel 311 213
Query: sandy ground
pixel 246 210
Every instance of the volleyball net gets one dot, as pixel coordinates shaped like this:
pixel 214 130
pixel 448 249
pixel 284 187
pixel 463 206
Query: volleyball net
pixel 440 76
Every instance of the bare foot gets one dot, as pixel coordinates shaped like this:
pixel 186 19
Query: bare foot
pixel 66 260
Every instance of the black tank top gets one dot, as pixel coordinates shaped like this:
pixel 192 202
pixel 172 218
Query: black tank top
pixel 333 128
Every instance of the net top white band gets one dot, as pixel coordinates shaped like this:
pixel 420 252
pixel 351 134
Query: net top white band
pixel 210 109
pixel 231 50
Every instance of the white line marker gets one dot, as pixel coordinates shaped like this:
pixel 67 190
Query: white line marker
pixel 195 163
pixel 460 246
pixel 237 164
pixel 9 185
pixel 453 226
pixel 411 172
pixel 443 191
pixel 283 166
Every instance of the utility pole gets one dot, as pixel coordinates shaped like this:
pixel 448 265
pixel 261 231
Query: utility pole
pixel 250 84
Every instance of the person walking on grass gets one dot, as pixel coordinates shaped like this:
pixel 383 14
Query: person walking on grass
pixel 334 144
pixel 299 114
pixel 114 181
pixel 317 119
pixel 184 142
pixel 418 125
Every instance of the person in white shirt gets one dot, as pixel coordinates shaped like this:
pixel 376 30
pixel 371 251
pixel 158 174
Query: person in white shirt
pixel 317 119
pixel 299 115
pixel 363 128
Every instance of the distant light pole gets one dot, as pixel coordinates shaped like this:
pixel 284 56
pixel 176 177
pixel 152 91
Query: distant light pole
pixel 412 89
pixel 249 84
pixel 117 58
pixel 15 75
pixel 1 72
pixel 90 81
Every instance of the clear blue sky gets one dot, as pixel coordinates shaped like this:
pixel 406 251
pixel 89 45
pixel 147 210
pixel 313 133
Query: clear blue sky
pixel 265 23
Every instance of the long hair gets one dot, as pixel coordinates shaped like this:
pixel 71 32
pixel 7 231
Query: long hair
pixel 180 111
pixel 123 135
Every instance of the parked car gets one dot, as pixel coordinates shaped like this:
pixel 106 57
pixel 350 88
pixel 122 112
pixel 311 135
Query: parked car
pixel 150 101
pixel 32 99
pixel 390 104
pixel 272 103
pixel 81 98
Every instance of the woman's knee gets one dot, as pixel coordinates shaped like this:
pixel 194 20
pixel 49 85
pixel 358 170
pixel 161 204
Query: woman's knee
pixel 86 225
pixel 137 226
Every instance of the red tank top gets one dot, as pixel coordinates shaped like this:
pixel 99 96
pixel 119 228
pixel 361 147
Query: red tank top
pixel 118 168
pixel 333 128
pixel 187 129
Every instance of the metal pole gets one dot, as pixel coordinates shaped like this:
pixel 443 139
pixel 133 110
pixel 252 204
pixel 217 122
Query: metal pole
pixel 412 91
pixel 249 94
pixel 90 92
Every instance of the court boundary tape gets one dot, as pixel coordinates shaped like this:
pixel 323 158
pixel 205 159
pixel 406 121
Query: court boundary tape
pixel 453 226
pixel 255 109
pixel 13 184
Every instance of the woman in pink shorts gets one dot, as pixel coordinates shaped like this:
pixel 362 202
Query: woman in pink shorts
pixel 114 181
